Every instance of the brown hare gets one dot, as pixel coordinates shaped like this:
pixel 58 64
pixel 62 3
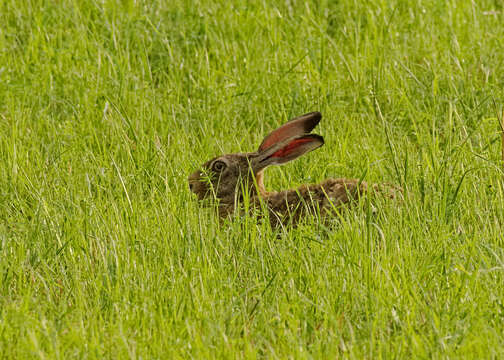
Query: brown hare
pixel 229 178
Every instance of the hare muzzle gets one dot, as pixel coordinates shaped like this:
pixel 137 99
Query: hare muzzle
pixel 197 186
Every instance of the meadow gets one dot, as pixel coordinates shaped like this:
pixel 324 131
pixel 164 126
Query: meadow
pixel 106 107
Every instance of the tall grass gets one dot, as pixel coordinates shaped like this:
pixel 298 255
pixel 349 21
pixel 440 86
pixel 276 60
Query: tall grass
pixel 106 107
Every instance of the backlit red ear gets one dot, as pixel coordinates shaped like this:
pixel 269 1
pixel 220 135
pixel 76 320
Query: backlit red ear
pixel 297 126
pixel 291 147
pixel 289 150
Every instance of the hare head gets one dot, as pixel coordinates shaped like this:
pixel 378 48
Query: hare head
pixel 227 177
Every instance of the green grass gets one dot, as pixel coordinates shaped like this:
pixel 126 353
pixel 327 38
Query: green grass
pixel 106 108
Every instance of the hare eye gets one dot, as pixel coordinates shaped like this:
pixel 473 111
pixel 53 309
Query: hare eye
pixel 218 166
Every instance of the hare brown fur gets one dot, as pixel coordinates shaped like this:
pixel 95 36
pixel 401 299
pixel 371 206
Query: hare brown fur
pixel 228 178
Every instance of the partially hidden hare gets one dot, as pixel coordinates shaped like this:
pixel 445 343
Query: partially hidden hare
pixel 231 178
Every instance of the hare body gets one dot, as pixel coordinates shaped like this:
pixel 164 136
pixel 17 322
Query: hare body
pixel 229 178
pixel 290 206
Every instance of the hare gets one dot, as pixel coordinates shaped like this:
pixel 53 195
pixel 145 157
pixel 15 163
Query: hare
pixel 230 177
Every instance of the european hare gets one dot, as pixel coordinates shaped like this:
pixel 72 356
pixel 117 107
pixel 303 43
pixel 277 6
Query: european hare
pixel 229 177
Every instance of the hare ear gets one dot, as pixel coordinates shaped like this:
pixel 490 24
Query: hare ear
pixel 287 150
pixel 298 126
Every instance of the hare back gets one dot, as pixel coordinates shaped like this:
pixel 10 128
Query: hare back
pixel 290 205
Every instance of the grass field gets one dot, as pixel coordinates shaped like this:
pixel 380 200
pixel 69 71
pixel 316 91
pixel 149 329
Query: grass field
pixel 106 107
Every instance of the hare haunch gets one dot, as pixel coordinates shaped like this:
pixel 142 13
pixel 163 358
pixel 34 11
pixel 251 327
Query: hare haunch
pixel 229 177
